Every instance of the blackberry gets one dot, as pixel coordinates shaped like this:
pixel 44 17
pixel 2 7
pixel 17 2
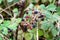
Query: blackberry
pixel 35 12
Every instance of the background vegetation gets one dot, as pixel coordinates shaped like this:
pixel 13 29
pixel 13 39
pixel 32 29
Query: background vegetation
pixel 22 19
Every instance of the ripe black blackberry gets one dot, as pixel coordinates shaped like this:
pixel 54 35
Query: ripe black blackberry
pixel 35 12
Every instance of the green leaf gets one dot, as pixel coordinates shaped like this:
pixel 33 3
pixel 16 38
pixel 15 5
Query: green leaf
pixel 46 35
pixel 18 20
pixel 13 26
pixel 6 23
pixel 30 12
pixel 51 26
pixel 43 1
pixel 42 6
pixel 30 6
pixel 50 1
pixel 15 0
pixel 10 39
pixel 51 7
pixel 1 38
pixel 5 31
pixel 34 1
pixel 45 25
pixel 55 17
pixel 15 11
pixel 9 1
pixel 1 27
pixel 40 33
pixel 58 10
pixel 48 14
pixel 27 35
pixel 1 1
pixel 25 15
pixel 54 32
pixel 33 33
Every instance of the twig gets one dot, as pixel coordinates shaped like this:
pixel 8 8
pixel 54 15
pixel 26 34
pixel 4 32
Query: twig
pixel 6 12
pixel 8 7
pixel 3 36
pixel 2 18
